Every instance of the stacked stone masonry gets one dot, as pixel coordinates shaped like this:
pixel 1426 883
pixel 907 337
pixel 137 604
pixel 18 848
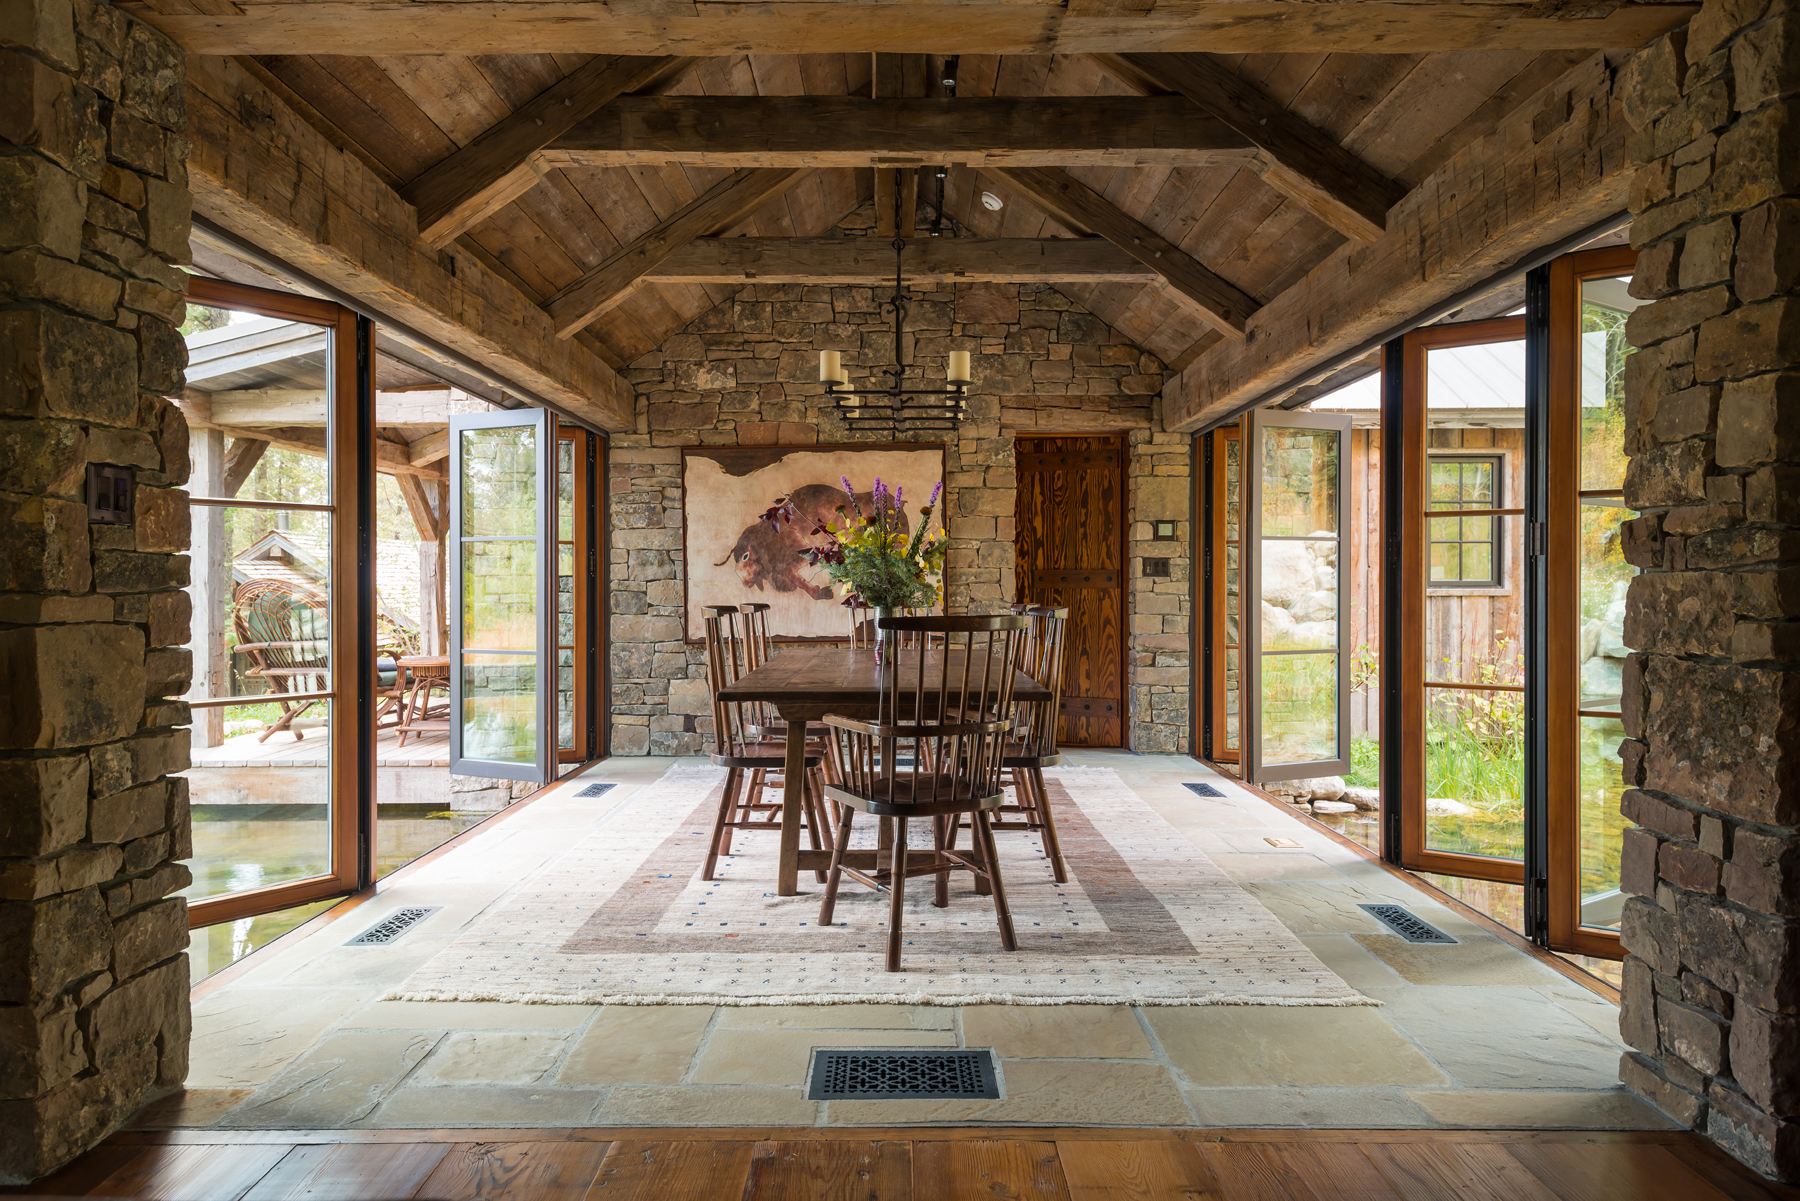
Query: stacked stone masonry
pixel 94 210
pixel 746 372
pixel 1712 692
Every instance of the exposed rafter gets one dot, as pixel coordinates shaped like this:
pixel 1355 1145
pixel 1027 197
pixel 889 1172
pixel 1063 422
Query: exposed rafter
pixel 722 206
pixel 380 27
pixel 496 167
pixel 856 131
pixel 1224 305
pixel 928 260
pixel 1302 161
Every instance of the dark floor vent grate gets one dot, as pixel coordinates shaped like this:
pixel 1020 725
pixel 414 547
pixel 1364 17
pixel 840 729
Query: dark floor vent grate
pixel 595 790
pixel 839 1075
pixel 1406 924
pixel 393 926
pixel 1202 790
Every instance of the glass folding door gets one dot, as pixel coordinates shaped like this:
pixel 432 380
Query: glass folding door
pixel 502 653
pixel 1224 508
pixel 1295 694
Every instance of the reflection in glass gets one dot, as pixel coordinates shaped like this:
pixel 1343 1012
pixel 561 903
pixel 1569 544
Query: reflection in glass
pixel 1605 306
pixel 565 594
pixel 1600 824
pixel 1473 638
pixel 1299 483
pixel 499 717
pixel 1299 708
pixel 500 594
pixel 1231 699
pixel 499 482
pixel 1475 772
pixel 1299 594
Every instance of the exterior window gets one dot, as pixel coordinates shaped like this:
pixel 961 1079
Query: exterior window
pixel 1465 551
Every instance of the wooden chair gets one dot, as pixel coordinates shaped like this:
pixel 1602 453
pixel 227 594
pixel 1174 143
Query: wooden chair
pixel 287 635
pixel 1032 746
pixel 752 758
pixel 951 708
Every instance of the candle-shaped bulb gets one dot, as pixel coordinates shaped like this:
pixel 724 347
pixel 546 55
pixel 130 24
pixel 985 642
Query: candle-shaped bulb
pixel 958 371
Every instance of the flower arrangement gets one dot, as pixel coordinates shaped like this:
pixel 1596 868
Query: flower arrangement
pixel 870 552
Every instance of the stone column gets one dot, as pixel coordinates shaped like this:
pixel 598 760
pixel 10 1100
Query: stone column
pixel 1712 692
pixel 94 208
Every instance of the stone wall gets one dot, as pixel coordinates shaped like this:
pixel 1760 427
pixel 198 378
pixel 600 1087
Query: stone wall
pixel 93 209
pixel 745 374
pixel 1712 694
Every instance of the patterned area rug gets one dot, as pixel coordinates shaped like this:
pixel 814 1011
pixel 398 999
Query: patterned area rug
pixel 624 918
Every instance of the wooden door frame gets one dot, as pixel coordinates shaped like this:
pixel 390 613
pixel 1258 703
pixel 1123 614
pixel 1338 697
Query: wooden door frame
pixel 1563 592
pixel 581 691
pixel 1215 509
pixel 1119 535
pixel 1409 601
pixel 351 476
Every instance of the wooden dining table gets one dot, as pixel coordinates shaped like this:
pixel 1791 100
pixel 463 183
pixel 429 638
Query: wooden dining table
pixel 803 684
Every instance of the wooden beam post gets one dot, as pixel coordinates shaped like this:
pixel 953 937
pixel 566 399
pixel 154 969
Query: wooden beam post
pixel 495 168
pixel 1549 170
pixel 266 176
pixel 1304 163
pixel 722 206
pixel 240 461
pixel 1224 305
pixel 434 613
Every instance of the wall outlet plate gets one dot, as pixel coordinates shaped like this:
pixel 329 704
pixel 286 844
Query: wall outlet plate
pixel 1157 567
pixel 109 492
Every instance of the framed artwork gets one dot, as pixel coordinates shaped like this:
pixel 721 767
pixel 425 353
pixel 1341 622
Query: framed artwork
pixel 732 556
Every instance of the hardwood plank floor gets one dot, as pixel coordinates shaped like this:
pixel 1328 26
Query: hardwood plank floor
pixel 894 1164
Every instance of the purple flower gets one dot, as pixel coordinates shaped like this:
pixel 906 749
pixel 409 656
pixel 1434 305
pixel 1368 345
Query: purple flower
pixel 845 481
pixel 898 493
pixel 936 490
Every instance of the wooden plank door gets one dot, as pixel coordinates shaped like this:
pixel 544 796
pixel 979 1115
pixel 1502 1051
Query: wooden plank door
pixel 1070 550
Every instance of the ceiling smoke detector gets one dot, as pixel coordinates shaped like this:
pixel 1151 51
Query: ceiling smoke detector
pixel 991 202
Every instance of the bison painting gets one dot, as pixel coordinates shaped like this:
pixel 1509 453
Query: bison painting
pixel 767 554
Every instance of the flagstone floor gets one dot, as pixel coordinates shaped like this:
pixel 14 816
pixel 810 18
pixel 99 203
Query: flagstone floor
pixel 1477 1035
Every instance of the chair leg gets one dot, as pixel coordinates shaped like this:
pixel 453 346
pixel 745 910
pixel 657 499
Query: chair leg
pixel 720 831
pixel 837 865
pixel 941 833
pixel 897 896
pixel 984 833
pixel 982 887
pixel 812 799
pixel 1040 800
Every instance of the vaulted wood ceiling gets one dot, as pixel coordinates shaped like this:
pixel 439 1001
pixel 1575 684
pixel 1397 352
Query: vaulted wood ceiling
pixel 1401 114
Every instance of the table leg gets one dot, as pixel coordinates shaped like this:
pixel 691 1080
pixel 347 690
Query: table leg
pixel 793 783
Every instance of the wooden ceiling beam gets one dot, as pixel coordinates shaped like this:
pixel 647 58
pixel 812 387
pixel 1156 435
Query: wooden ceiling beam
pixel 391 458
pixel 261 173
pixel 928 260
pixel 1224 305
pixel 857 131
pixel 381 27
pixel 496 167
pixel 307 406
pixel 1548 171
pixel 1303 162
pixel 421 503
pixel 722 206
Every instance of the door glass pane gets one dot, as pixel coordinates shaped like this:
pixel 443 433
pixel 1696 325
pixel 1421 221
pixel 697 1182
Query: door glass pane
pixel 1299 709
pixel 500 594
pixel 1300 482
pixel 565 593
pixel 499 482
pixel 1605 306
pixel 499 717
pixel 1299 594
pixel 1475 772
pixel 1234 493
pixel 1601 825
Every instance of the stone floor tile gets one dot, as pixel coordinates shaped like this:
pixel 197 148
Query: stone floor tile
pixel 1354 966
pixel 492 1057
pixel 1373 1108
pixel 338 1082
pixel 1244 866
pixel 1070 1092
pixel 1223 1046
pixel 783 1057
pixel 418 1106
pixel 188 1108
pixel 637 1044
pixel 1497 1037
pixel 468 1015
pixel 1318 906
pixel 1056 1031
pixel 707 1105
pixel 836 1017
pixel 1478 959
pixel 246 1036
pixel 1589 1006
pixel 1500 1109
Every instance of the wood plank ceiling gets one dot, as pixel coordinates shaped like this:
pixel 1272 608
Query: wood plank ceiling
pixel 1402 114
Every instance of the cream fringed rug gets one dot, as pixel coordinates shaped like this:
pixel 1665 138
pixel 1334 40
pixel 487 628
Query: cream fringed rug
pixel 624 918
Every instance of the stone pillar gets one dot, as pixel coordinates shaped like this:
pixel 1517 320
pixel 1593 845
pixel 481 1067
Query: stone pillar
pixel 93 619
pixel 1712 692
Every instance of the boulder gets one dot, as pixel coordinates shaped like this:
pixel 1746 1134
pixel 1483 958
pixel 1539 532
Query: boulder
pixel 1438 806
pixel 1367 799
pixel 1333 807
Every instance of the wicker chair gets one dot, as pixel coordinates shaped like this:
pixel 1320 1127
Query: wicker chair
pixel 287 635
pixel 752 758
pixel 952 711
